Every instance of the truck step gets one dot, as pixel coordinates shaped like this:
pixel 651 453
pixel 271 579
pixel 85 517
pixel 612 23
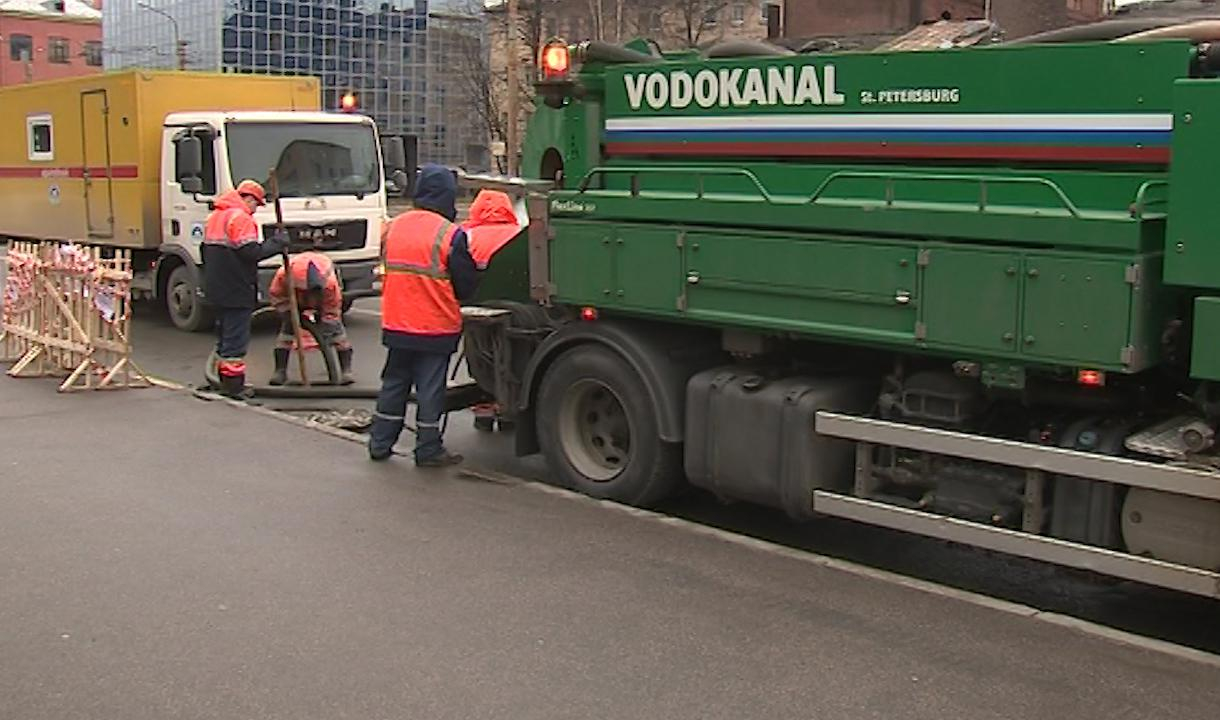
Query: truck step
pixel 1059 552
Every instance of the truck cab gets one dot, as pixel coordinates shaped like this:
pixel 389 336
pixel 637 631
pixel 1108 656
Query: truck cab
pixel 332 190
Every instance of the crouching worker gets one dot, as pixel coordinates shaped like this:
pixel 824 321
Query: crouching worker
pixel 318 289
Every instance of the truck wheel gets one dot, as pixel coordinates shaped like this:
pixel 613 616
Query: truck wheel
pixel 186 310
pixel 599 432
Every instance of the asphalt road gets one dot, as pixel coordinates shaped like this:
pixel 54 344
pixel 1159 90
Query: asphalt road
pixel 167 353
pixel 163 557
pixel 1183 619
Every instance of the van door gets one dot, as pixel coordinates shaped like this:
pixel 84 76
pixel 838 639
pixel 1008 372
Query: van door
pixel 95 140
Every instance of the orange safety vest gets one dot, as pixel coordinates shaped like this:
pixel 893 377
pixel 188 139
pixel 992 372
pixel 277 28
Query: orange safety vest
pixel 416 293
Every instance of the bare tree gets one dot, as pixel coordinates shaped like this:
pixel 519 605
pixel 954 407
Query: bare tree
pixel 697 19
pixel 476 80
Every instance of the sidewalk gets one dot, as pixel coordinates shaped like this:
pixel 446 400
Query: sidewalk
pixel 163 557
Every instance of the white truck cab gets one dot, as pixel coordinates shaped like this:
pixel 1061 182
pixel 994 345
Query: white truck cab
pixel 332 190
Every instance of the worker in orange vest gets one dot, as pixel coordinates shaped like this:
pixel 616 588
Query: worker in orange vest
pixel 318 289
pixel 492 224
pixel 428 272
pixel 232 249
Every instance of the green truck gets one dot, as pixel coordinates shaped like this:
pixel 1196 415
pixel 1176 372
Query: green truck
pixel 972 294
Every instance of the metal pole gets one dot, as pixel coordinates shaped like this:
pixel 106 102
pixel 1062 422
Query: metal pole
pixel 514 76
pixel 179 46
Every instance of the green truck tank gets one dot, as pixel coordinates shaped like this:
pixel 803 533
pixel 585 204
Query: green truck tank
pixel 972 294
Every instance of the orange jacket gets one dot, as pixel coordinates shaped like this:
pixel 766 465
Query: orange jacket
pixel 417 297
pixel 492 224
pixel 332 291
pixel 231 252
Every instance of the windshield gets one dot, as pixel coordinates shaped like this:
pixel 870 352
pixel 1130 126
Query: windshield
pixel 309 158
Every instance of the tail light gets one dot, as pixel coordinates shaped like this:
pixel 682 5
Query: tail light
pixel 1091 378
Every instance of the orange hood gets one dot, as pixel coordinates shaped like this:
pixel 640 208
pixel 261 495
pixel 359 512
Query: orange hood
pixel 492 224
pixel 230 200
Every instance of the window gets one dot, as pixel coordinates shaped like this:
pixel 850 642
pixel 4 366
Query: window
pixel 93 53
pixel 21 48
pixel 712 17
pixel 738 16
pixel 40 137
pixel 58 50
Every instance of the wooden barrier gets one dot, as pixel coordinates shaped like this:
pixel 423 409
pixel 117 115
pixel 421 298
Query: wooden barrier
pixel 67 310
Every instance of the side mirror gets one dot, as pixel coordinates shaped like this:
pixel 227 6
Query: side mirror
pixel 190 158
pixel 192 185
pixel 394 153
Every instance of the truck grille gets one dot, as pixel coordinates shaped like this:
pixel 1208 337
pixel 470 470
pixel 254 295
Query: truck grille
pixel 329 237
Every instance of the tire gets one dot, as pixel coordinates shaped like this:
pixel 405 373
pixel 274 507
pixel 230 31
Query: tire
pixel 599 432
pixel 186 310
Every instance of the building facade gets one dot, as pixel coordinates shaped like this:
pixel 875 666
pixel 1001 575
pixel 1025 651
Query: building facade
pixel 672 24
pixel 377 50
pixel 1018 18
pixel 457 52
pixel 48 40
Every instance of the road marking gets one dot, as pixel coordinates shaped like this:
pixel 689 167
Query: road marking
pixel 166 384
pixel 362 311
pixel 1085 627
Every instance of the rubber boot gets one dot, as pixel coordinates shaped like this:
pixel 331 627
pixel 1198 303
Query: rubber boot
pixel 280 376
pixel 345 367
pixel 234 386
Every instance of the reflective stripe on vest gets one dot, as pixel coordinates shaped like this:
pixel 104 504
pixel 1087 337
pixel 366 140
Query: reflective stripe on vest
pixel 433 269
pixel 417 295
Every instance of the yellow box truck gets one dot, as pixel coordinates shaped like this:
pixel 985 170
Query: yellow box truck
pixel 133 160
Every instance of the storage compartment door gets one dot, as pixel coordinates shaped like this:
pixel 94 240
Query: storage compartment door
pixel 95 142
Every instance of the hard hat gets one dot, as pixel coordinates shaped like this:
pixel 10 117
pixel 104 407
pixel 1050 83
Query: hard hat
pixel 252 189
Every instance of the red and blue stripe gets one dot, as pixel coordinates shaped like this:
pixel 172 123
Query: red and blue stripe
pixel 1135 138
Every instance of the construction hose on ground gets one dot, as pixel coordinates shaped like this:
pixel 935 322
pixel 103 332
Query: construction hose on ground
pixel 456 397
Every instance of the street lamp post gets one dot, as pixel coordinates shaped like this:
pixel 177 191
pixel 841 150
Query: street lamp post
pixel 179 45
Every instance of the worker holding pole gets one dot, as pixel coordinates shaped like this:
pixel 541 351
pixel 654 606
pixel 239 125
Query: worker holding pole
pixel 428 272
pixel 232 249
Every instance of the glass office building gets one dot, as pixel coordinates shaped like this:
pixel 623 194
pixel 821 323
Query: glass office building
pixel 376 49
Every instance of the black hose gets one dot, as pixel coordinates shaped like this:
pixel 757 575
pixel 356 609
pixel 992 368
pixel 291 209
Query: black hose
pixel 456 398
pixel 597 51
pixel 321 392
pixel 1096 32
pixel 745 48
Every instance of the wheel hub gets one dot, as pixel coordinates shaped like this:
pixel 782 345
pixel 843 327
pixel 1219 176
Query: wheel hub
pixel 595 431
pixel 181 301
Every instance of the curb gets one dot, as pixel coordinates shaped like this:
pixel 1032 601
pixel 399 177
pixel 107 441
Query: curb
pixel 1084 627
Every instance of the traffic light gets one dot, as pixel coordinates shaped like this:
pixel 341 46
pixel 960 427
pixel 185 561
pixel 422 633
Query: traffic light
pixel 348 102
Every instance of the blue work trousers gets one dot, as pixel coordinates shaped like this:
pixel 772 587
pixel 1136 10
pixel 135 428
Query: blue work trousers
pixel 426 372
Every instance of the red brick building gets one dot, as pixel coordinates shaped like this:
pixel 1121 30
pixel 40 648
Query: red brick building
pixel 814 18
pixel 48 40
